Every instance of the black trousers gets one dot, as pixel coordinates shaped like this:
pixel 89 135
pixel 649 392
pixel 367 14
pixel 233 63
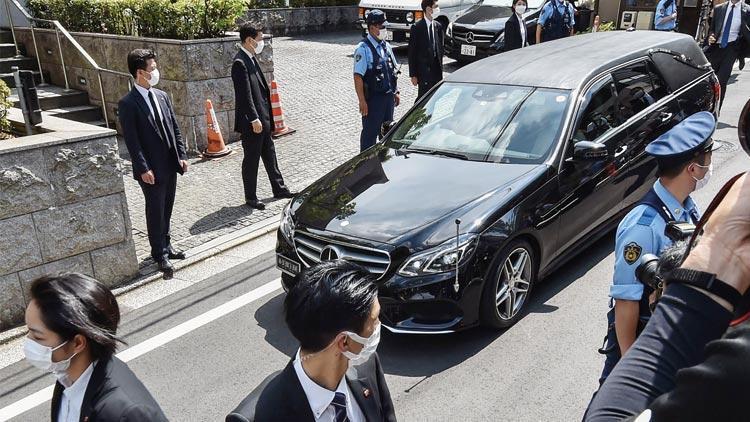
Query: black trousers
pixel 722 61
pixel 257 147
pixel 423 87
pixel 159 204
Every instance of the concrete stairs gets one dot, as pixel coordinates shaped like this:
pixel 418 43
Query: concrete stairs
pixel 67 104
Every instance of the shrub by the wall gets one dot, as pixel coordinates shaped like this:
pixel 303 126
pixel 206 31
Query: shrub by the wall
pixel 172 19
pixel 273 4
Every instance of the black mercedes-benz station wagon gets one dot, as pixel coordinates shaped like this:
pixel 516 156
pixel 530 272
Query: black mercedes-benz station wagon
pixel 505 170
pixel 480 32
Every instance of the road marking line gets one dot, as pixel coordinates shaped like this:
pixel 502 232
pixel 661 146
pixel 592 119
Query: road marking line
pixel 29 402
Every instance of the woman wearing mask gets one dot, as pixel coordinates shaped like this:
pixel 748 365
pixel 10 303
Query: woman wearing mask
pixel 515 28
pixel 72 321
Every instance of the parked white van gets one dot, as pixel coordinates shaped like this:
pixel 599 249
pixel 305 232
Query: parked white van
pixel 401 15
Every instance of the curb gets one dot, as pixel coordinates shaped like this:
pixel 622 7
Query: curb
pixel 194 256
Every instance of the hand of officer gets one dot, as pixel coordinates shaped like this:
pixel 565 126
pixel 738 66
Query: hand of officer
pixel 363 108
pixel 414 80
pixel 724 249
pixel 184 165
pixel 397 100
pixel 148 177
pixel 257 126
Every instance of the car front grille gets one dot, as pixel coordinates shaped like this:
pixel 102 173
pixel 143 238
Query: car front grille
pixel 478 38
pixel 312 249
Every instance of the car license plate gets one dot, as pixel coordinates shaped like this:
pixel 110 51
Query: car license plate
pixel 468 50
pixel 388 36
pixel 286 264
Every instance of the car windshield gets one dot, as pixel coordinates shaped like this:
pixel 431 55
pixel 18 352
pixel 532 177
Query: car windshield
pixel 532 4
pixel 480 122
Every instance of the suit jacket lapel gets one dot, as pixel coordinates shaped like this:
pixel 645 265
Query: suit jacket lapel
pixel 298 405
pixel 56 397
pixel 96 382
pixel 366 401
pixel 165 118
pixel 144 108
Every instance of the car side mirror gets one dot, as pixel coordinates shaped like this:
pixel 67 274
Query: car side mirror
pixel 587 151
pixel 386 127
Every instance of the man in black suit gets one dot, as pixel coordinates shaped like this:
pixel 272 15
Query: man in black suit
pixel 336 374
pixel 156 150
pixel 252 118
pixel 728 40
pixel 426 49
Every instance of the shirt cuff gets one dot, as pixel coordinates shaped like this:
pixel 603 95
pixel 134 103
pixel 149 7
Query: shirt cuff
pixel 256 120
pixel 626 291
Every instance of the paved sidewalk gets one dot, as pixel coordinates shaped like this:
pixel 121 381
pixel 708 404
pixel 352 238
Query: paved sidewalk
pixel 316 88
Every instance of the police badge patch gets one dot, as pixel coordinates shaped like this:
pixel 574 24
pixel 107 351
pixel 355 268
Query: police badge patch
pixel 632 252
pixel 357 57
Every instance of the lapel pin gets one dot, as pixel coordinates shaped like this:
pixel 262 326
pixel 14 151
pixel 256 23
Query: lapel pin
pixel 366 392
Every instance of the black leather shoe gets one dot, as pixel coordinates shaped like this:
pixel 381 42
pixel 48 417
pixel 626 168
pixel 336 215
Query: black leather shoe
pixel 254 203
pixel 166 267
pixel 175 254
pixel 285 195
pixel 742 63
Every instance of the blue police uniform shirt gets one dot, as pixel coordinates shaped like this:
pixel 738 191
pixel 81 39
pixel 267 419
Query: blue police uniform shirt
pixel 561 5
pixel 363 59
pixel 663 12
pixel 642 232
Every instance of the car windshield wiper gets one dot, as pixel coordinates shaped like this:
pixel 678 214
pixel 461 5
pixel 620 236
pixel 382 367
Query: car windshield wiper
pixel 436 152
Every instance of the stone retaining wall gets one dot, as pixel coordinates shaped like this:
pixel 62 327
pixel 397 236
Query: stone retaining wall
pixel 304 20
pixel 191 72
pixel 62 208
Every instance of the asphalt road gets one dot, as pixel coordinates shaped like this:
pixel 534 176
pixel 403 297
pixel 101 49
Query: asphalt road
pixel 543 369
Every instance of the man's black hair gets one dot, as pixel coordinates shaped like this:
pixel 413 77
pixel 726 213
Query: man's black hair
pixel 73 303
pixel 673 170
pixel 248 30
pixel 138 59
pixel 329 298
pixel 427 3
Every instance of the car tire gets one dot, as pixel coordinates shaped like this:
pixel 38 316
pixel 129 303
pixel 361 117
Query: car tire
pixel 507 290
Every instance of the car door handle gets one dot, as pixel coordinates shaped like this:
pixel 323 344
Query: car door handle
pixel 620 150
pixel 665 117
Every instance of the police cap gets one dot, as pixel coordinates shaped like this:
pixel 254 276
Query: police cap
pixel 376 17
pixel 685 141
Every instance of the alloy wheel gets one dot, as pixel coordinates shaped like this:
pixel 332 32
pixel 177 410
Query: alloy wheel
pixel 513 283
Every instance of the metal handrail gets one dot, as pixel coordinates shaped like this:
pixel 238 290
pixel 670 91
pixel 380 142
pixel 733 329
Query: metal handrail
pixel 59 28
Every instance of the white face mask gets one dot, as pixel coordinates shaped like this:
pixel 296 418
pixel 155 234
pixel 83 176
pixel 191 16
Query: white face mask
pixel 520 9
pixel 435 11
pixel 259 46
pixel 40 356
pixel 154 77
pixel 701 183
pixel 369 345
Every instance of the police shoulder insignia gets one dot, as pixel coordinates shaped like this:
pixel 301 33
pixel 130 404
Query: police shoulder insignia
pixel 357 57
pixel 632 252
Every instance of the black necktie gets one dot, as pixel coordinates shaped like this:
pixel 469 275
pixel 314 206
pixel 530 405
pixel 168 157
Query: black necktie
pixel 339 406
pixel 432 39
pixel 157 118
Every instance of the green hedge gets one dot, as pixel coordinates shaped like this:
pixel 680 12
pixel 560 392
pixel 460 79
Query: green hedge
pixel 173 19
pixel 5 104
pixel 275 4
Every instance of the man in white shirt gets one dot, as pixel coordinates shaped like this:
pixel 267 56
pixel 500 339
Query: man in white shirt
pixel 336 375
pixel 728 39
pixel 426 49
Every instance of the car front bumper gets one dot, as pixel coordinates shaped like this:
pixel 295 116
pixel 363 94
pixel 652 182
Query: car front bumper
pixel 453 50
pixel 427 304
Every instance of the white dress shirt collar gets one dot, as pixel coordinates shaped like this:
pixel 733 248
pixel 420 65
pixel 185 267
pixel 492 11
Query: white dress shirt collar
pixel 427 20
pixel 320 398
pixel 72 397
pixel 144 93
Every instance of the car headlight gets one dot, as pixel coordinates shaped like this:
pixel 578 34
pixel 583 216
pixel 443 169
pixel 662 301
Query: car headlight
pixel 449 31
pixel 287 222
pixel 499 43
pixel 410 17
pixel 441 258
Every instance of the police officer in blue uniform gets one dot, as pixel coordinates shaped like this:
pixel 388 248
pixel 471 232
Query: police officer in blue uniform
pixel 665 18
pixel 683 155
pixel 375 76
pixel 556 21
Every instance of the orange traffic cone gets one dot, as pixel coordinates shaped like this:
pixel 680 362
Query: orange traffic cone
pixel 216 147
pixel 279 128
